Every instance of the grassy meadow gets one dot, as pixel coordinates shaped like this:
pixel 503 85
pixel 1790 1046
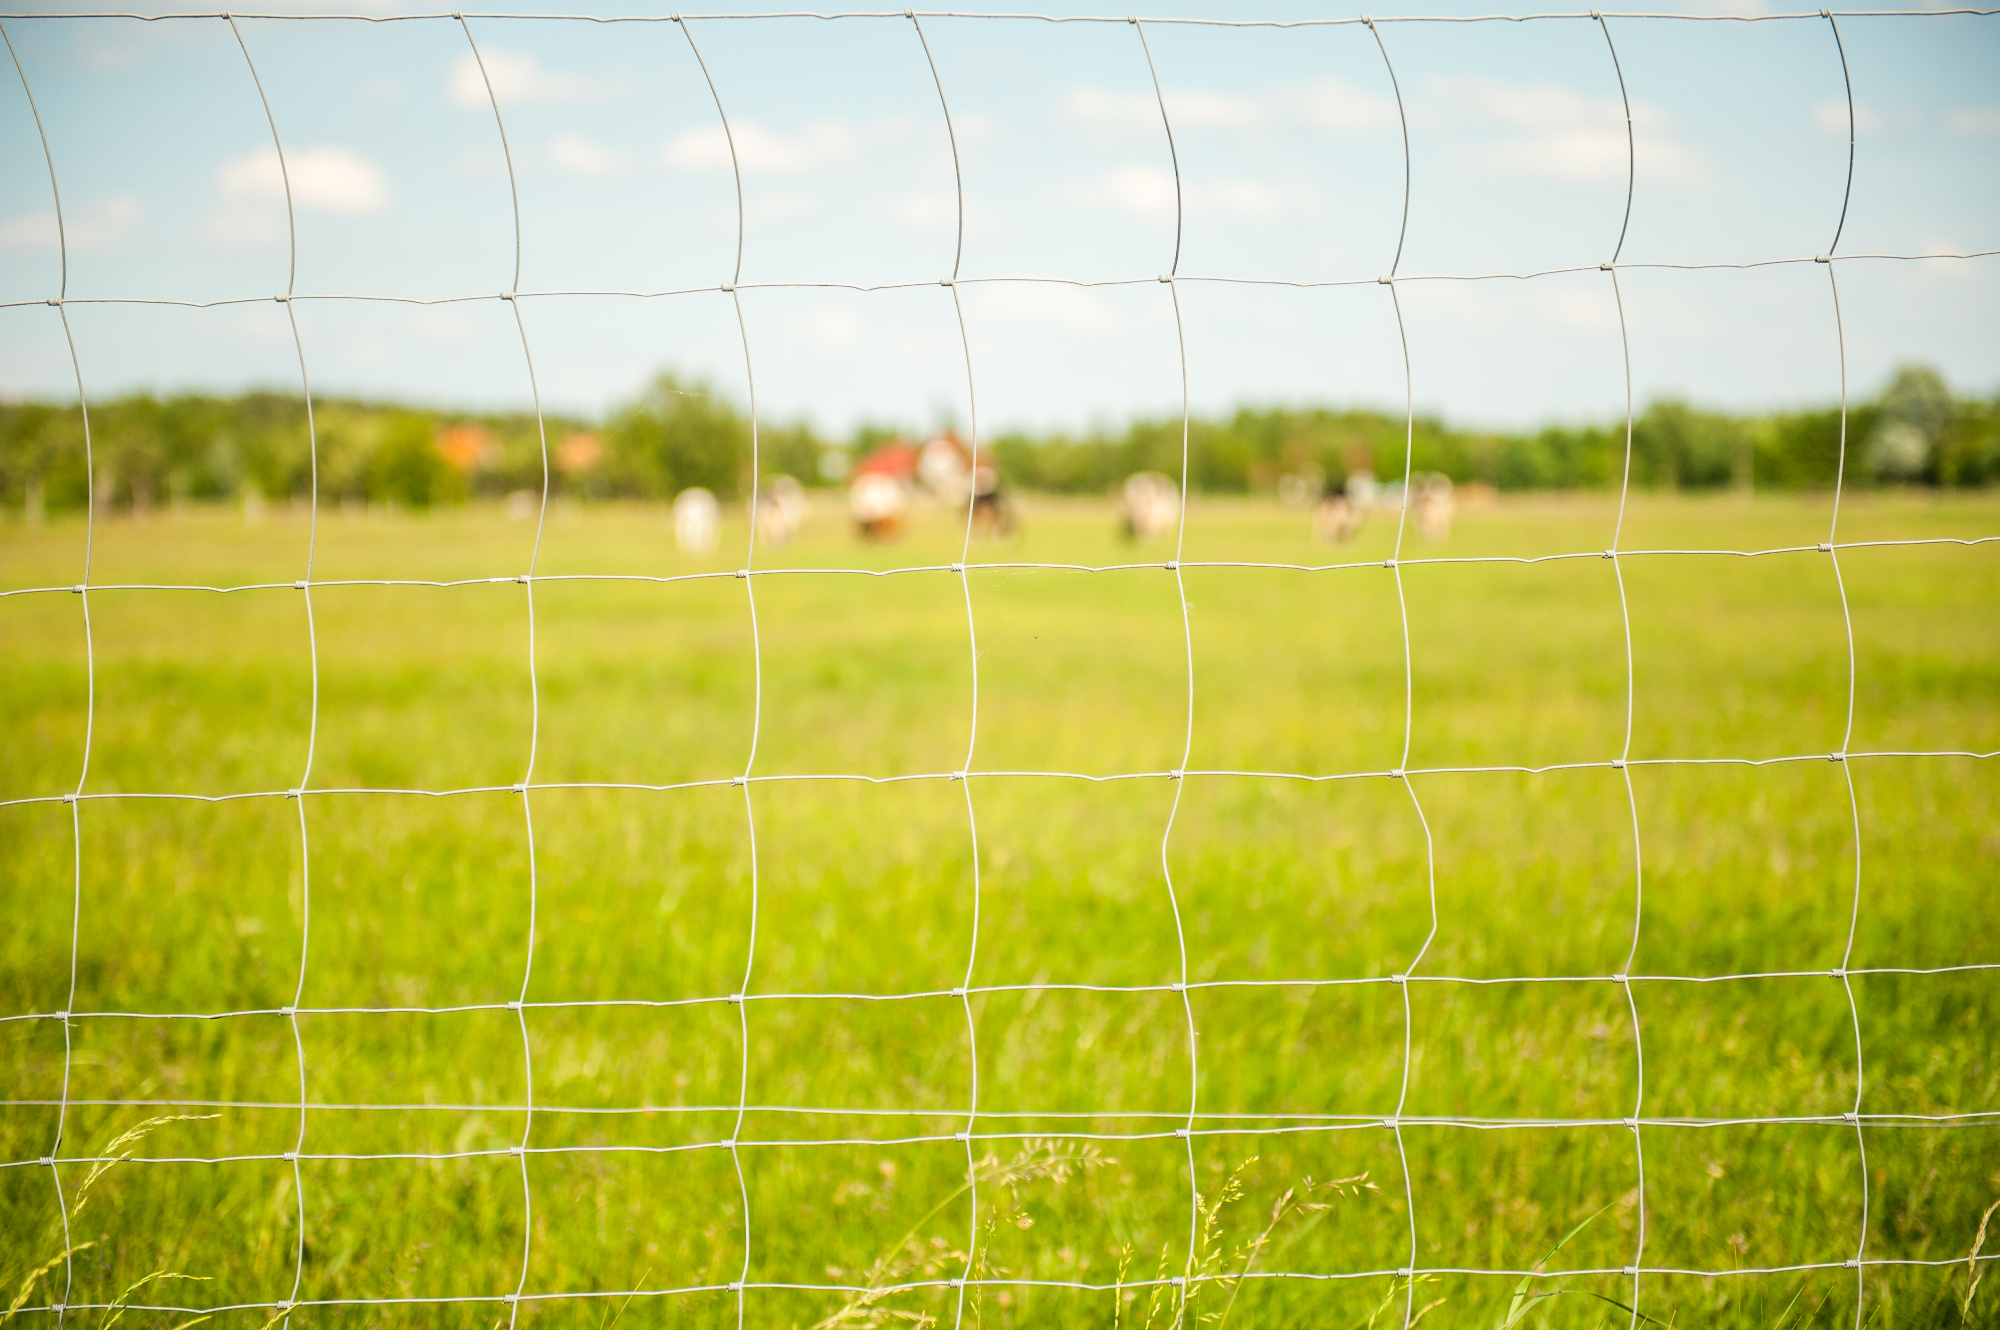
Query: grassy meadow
pixel 865 890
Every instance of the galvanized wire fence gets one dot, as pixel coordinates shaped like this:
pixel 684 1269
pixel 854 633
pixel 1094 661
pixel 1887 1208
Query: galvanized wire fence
pixel 981 1126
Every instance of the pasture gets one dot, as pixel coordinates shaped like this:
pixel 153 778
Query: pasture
pixel 1295 904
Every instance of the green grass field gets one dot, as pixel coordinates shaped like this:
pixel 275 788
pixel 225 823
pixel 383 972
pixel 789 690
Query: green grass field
pixel 643 896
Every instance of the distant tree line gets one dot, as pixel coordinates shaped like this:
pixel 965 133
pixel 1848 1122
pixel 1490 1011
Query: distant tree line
pixel 150 451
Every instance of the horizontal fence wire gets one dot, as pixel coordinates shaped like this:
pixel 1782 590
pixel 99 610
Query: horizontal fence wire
pixel 1193 1120
pixel 731 288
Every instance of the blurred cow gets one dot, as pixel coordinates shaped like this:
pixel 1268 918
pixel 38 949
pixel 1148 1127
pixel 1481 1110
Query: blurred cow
pixel 1337 516
pixel 697 521
pixel 880 489
pixel 1431 505
pixel 1149 505
pixel 950 472
pixel 781 510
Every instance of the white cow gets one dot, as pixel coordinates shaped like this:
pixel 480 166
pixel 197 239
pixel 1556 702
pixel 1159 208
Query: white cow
pixel 781 510
pixel 1149 505
pixel 697 521
pixel 1431 505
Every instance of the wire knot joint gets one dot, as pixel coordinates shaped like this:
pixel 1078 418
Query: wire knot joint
pixel 70 797
pixel 962 1136
pixel 1177 1280
pixel 1180 1133
pixel 1631 1270
pixel 291 1156
pixel 1607 267
pixel 282 299
pixel 1825 547
pixel 1617 764
pixel 55 304
pixel 958 568
pixel 729 287
pixel 1399 979
pixel 1396 773
pixel 1385 281
pixel 1836 973
pixel 77 590
pixel 1822 258
pixel 1836 757
pixel 506 295
pixel 48 1160
pixel 946 281
pixel 735 997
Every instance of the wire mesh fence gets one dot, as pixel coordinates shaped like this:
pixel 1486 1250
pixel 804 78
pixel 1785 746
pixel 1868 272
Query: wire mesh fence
pixel 737 1128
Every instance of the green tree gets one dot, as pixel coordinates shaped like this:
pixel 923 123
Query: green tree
pixel 676 436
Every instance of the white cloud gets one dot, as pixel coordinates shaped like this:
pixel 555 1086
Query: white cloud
pixel 762 151
pixel 1325 104
pixel 1544 131
pixel 519 79
pixel 831 327
pixel 921 209
pixel 781 206
pixel 1830 116
pixel 101 226
pixel 579 154
pixel 1139 191
pixel 1041 304
pixel 1974 122
pixel 1335 104
pixel 1148 192
pixel 324 179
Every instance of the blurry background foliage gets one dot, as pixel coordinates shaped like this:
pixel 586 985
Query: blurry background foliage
pixel 677 434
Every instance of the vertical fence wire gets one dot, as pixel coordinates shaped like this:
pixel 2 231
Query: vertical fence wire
pixel 1623 763
pixel 1171 282
pixel 1847 727
pixel 964 994
pixel 75 798
pixel 1401 771
pixel 304 586
pixel 527 581
pixel 740 1286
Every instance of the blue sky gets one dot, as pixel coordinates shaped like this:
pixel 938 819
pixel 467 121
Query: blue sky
pixel 1291 167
